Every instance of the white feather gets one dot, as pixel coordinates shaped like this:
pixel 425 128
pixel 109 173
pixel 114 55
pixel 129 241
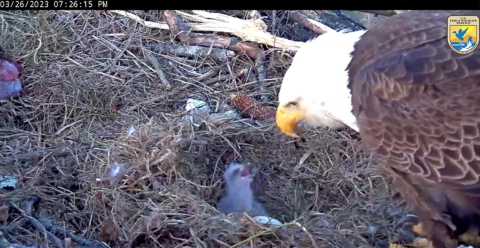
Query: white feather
pixel 317 79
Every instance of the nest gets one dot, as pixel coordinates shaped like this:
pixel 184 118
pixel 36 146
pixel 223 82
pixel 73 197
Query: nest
pixel 105 157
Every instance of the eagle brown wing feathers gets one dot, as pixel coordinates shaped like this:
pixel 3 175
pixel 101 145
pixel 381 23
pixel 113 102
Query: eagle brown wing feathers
pixel 417 104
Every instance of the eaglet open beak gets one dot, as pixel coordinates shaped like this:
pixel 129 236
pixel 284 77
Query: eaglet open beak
pixel 287 120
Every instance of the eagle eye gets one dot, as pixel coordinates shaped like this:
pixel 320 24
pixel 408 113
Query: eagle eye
pixel 292 104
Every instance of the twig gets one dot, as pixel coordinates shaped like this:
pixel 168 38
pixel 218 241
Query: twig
pixel 210 73
pixel 312 239
pixel 303 20
pixel 244 73
pixel 156 66
pixel 34 222
pixel 217 54
pixel 221 78
pixel 250 77
pixel 230 43
pixel 148 101
pixel 380 12
pixel 274 21
pixel 259 65
pixel 217 79
pixel 347 18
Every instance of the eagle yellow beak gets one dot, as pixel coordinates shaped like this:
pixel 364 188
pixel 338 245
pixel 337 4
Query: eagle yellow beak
pixel 287 120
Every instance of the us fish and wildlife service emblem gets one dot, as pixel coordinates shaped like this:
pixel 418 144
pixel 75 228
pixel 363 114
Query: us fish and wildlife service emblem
pixel 463 33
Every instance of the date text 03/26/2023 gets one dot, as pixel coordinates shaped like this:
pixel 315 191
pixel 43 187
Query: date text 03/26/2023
pixel 53 4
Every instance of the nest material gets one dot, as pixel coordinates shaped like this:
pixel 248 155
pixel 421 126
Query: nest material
pixel 92 100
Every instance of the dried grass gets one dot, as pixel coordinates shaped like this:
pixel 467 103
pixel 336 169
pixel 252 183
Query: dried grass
pixel 87 81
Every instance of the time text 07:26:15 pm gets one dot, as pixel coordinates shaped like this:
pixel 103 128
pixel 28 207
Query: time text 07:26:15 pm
pixel 55 4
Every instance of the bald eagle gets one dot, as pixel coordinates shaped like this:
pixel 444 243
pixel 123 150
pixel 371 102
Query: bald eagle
pixel 415 103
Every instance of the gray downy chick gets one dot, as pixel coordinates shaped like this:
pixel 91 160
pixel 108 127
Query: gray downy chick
pixel 239 196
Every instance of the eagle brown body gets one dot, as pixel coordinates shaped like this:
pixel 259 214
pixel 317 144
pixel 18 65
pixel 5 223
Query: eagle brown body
pixel 417 104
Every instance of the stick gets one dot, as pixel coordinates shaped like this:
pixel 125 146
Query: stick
pixel 304 21
pixel 217 54
pixel 259 65
pixel 156 66
pixel 217 79
pixel 221 78
pixel 231 43
pixel 210 73
pixel 274 20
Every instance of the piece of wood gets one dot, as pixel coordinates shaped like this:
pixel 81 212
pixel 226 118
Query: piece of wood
pixel 304 21
pixel 262 75
pixel 153 60
pixel 217 54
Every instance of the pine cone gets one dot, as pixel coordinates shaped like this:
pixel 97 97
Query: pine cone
pixel 249 106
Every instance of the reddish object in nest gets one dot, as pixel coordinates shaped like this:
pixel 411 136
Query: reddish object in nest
pixel 249 106
pixel 10 84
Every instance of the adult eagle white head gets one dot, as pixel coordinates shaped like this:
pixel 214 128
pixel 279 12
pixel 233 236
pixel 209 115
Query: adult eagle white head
pixel 415 103
pixel 314 88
